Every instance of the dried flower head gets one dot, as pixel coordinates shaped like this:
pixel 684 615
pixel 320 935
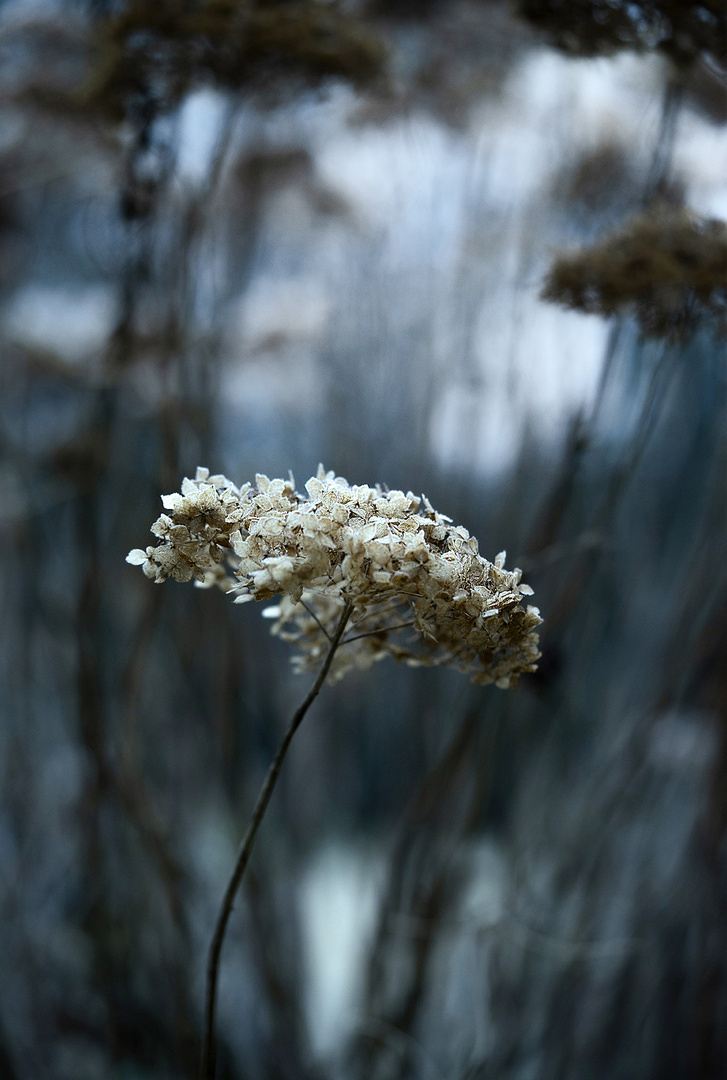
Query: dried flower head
pixel 418 587
pixel 667 267
pixel 681 29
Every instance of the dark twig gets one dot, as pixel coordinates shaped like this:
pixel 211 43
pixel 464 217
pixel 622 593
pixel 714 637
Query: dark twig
pixel 209 1053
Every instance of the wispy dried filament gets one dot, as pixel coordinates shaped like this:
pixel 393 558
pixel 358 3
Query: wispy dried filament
pixel 420 590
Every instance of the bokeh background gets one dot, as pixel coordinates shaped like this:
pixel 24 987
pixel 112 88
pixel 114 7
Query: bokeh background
pixel 256 236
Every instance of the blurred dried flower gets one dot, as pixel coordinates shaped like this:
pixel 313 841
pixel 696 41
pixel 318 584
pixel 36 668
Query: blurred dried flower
pixel 156 52
pixel 419 590
pixel 666 266
pixel 683 31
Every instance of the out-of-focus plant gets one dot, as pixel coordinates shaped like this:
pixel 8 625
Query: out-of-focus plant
pixel 157 53
pixel 683 31
pixel 379 562
pixel 668 267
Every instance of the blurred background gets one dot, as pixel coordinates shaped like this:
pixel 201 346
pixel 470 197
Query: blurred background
pixel 259 235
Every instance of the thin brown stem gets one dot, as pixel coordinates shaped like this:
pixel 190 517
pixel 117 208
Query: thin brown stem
pixel 209 1053
pixel 377 633
pixel 313 615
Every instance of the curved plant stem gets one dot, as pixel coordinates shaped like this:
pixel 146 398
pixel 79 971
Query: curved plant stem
pixel 209 1052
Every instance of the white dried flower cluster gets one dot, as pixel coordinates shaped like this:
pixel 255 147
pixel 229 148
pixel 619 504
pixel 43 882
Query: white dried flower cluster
pixel 419 589
pixel 196 537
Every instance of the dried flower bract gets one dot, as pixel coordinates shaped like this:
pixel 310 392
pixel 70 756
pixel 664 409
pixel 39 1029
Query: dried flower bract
pixel 419 589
